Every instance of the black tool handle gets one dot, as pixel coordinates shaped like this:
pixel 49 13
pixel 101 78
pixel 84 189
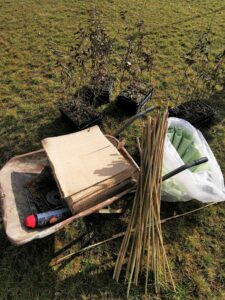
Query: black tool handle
pixel 146 99
pixel 184 167
pixel 135 117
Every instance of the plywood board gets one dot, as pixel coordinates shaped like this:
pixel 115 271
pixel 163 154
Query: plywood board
pixel 83 159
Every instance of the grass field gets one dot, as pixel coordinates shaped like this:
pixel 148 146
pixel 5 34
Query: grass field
pixel 29 94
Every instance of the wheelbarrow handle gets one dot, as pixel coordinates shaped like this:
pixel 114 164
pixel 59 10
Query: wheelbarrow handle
pixel 146 99
pixel 184 167
pixel 135 117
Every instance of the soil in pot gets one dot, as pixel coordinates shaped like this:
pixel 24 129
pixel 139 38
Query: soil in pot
pixel 131 100
pixel 196 112
pixel 99 90
pixel 78 114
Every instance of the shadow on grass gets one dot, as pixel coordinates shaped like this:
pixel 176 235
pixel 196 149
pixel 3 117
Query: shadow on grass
pixel 218 104
pixel 31 140
pixel 25 271
pixel 95 282
pixel 113 118
pixel 174 229
pixel 53 128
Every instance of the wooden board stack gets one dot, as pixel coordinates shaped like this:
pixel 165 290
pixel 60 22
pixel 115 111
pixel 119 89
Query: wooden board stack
pixel 88 169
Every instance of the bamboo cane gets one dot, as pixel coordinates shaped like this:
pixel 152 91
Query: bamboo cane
pixel 121 234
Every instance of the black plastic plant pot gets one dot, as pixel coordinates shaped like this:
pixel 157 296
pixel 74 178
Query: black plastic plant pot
pixel 79 116
pixel 99 90
pixel 196 112
pixel 131 101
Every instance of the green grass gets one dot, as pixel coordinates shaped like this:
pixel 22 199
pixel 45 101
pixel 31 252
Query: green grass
pixel 30 91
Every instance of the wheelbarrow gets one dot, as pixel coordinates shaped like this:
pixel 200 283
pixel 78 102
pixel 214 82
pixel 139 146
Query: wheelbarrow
pixel 13 194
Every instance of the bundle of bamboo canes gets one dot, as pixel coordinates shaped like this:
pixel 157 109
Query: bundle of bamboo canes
pixel 143 241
